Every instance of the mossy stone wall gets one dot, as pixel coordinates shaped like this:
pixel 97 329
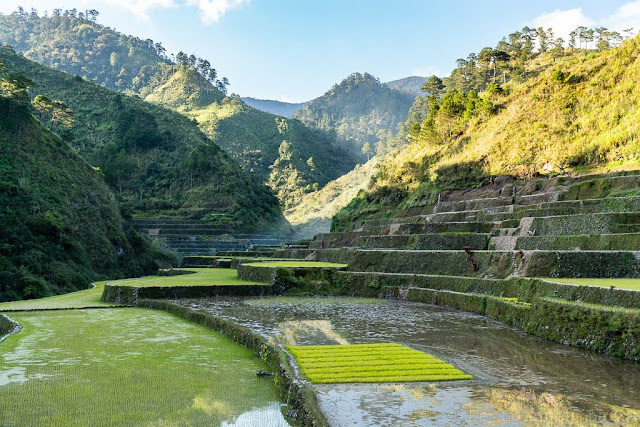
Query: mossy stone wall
pixel 581 264
pixel 426 241
pixel 526 290
pixel 129 295
pixel 453 263
pixel 587 242
pixel 603 329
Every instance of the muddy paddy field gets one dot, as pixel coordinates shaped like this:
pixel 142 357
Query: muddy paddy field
pixel 518 379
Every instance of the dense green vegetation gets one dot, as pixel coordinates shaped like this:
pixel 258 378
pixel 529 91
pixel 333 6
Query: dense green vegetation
pixel 60 226
pixel 128 367
pixel 513 110
pixel 314 214
pixel 371 363
pixel 282 153
pixel 201 277
pixel 357 111
pixel 289 157
pixel 155 160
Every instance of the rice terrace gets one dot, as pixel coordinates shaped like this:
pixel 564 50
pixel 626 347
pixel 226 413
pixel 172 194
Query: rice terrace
pixel 457 249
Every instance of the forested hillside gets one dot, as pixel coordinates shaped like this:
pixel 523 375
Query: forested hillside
pixel 280 108
pixel 286 155
pixel 517 110
pixel 60 225
pixel 275 150
pixel 357 112
pixel 156 161
pixel 411 85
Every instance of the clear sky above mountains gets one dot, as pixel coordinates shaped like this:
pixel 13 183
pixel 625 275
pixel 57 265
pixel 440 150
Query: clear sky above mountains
pixel 295 50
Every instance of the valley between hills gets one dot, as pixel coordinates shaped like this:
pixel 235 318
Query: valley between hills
pixel 460 249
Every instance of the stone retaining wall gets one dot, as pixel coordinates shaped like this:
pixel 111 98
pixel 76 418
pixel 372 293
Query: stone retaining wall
pixel 131 294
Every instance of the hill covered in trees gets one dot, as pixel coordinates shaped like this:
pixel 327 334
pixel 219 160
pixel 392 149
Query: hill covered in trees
pixel 517 110
pixel 274 149
pixel 156 161
pixel 410 85
pixel 356 112
pixel 60 225
pixel 280 108
pixel 286 155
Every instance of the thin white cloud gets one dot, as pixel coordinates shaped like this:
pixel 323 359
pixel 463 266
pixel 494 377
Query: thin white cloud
pixel 141 7
pixel 563 21
pixel 212 10
pixel 627 16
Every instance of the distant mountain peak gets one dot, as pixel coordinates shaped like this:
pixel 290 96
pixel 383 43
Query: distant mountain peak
pixel 411 85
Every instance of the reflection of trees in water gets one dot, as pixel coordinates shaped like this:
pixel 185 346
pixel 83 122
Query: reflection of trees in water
pixel 544 408
pixel 296 332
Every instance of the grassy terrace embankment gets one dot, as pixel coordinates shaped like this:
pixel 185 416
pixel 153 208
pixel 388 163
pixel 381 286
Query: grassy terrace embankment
pixel 81 299
pixel 200 277
pixel 622 283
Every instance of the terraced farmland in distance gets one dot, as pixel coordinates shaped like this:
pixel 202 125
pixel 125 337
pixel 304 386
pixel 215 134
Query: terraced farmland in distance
pixel 201 277
pixel 129 366
pixel 371 363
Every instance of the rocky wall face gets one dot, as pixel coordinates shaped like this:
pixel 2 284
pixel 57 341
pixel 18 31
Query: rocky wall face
pixel 581 264
pixel 449 263
pixel 603 329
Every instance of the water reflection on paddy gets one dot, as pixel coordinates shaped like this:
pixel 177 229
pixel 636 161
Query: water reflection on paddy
pixel 518 379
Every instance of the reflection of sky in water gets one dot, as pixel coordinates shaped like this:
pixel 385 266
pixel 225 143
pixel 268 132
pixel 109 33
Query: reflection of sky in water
pixel 412 404
pixel 513 372
pixel 267 416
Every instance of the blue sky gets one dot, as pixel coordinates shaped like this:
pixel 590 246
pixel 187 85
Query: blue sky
pixel 295 50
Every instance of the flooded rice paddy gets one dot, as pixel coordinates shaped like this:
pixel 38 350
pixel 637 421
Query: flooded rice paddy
pixel 518 379
pixel 129 367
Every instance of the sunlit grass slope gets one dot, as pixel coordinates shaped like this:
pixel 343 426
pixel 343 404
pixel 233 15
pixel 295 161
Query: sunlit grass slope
pixel 621 283
pixel 371 363
pixel 80 299
pixel 202 277
pixel 126 367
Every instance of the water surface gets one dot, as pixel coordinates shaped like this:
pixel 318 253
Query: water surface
pixel 518 379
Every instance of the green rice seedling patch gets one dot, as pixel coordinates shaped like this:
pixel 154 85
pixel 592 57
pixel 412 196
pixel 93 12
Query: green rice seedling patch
pixel 622 283
pixel 201 277
pixel 80 299
pixel 371 363
pixel 297 264
pixel 125 367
